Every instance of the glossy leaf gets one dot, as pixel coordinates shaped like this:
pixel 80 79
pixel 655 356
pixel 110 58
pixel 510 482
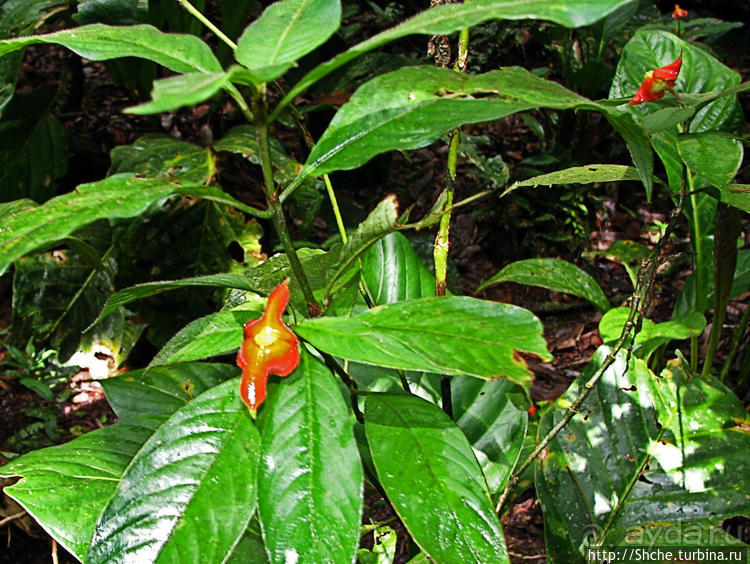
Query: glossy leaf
pixel 66 487
pixel 448 335
pixel 714 156
pixel 164 389
pixel 582 175
pixel 680 433
pixel 140 291
pixel 413 106
pixel 445 19
pixel 701 72
pixel 179 91
pixel 153 156
pixel 310 480
pixel 120 195
pixel 212 335
pixel 553 274
pixel 193 480
pixel 433 480
pixel 393 272
pixel 381 221
pixel 97 42
pixel 737 195
pixel 494 426
pixel 284 32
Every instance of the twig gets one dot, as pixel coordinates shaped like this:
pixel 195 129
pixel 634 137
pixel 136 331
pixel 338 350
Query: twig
pixel 12 518
pixel 637 307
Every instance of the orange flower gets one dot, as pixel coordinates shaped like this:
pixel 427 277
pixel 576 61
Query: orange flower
pixel 270 347
pixel 656 82
pixel 679 12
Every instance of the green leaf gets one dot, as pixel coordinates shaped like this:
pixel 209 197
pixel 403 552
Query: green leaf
pixel 700 72
pixel 666 118
pixel 647 461
pixel 626 252
pixel 582 175
pixel 179 91
pixel 212 335
pixel 652 335
pixel 737 195
pixel 164 389
pixel 393 272
pixel 553 274
pixel 445 19
pixel 154 156
pixel 448 335
pixel 413 106
pixel 114 12
pixel 66 487
pixel 493 425
pixel 714 156
pixel 121 195
pixel 433 480
pixel 284 32
pixel 33 148
pixel 146 289
pixel 98 42
pixel 196 474
pixel 310 480
pixel 381 221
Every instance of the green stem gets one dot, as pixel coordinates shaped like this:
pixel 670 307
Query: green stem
pixel 335 207
pixel 277 214
pixel 698 265
pixel 205 21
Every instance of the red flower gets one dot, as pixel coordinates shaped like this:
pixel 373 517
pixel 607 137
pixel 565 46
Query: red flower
pixel 532 410
pixel 679 12
pixel 270 347
pixel 656 82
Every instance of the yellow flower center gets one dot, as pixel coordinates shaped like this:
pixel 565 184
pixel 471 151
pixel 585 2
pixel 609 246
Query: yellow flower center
pixel 266 337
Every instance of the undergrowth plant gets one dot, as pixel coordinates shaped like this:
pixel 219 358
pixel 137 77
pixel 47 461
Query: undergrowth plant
pixel 391 386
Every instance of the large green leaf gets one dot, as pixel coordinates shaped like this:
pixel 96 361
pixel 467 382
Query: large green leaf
pixel 494 426
pixel 33 148
pixel 737 195
pixel 164 389
pixel 714 156
pixel 189 493
pixel 146 289
pixel 646 460
pixel 413 106
pixel 448 335
pixel 700 72
pixel 98 42
pixel 120 195
pixel 115 12
pixel 445 19
pixel 553 274
pixel 393 272
pixel 154 156
pixel 284 32
pixel 212 335
pixel 181 90
pixel 433 480
pixel 310 480
pixel 66 487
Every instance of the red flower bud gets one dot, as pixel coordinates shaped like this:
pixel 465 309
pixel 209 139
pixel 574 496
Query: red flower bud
pixel 532 410
pixel 270 347
pixel 679 12
pixel 656 82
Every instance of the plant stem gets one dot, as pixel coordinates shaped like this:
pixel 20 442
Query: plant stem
pixel 637 307
pixel 277 213
pixel 205 21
